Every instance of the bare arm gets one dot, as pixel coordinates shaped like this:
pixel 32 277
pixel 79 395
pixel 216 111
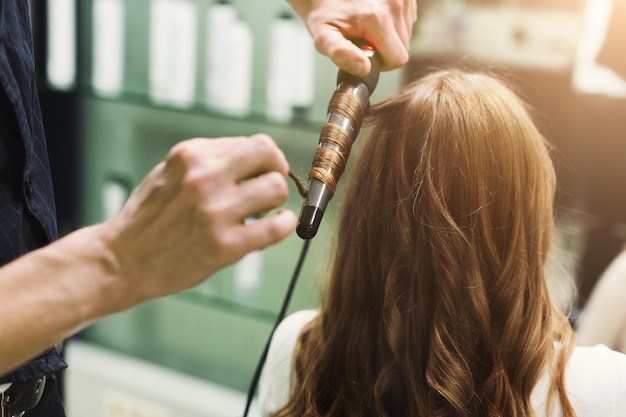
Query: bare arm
pixel 184 222
pixel 388 24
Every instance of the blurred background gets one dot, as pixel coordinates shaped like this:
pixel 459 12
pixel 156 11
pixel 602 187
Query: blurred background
pixel 121 81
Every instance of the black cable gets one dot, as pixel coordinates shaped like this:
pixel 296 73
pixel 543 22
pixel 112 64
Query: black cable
pixel 279 318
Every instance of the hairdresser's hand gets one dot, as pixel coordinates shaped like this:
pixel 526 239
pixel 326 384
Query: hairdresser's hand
pixel 387 24
pixel 187 219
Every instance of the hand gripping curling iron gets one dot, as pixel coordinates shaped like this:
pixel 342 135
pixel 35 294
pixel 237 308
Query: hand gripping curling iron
pixel 346 110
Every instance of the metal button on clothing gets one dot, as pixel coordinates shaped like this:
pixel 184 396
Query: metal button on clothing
pixel 21 397
pixel 39 385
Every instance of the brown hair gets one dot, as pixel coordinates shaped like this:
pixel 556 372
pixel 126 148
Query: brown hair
pixel 437 303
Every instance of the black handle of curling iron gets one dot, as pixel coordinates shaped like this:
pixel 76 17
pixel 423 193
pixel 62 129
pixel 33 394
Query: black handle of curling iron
pixel 342 121
pixel 371 79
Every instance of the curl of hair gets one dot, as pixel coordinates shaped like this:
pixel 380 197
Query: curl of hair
pixel 437 304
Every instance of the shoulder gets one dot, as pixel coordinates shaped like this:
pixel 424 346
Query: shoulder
pixel 275 383
pixel 597 361
pixel 289 328
pixel 285 338
pixel 596 381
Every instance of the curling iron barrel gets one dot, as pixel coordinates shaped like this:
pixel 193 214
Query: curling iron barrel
pixel 346 110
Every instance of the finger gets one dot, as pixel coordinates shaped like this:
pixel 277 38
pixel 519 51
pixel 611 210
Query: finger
pixel 262 194
pixel 267 230
pixel 387 41
pixel 413 12
pixel 392 16
pixel 256 155
pixel 344 54
pixel 410 16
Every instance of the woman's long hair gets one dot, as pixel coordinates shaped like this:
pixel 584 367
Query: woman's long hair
pixel 437 304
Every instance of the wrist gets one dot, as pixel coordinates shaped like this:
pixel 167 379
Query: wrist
pixel 58 290
pixel 89 272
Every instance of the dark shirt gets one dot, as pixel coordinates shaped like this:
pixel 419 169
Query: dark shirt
pixel 27 210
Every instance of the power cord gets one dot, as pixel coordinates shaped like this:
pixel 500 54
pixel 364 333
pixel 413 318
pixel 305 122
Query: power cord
pixel 279 318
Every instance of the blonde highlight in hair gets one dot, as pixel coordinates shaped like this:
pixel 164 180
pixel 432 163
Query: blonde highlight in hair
pixel 437 303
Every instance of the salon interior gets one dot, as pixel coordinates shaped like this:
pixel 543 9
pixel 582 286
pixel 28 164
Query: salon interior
pixel 121 81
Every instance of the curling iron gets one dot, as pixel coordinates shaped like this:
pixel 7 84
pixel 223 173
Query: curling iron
pixel 345 115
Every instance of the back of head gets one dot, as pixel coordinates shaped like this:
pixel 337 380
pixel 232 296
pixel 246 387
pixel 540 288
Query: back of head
pixel 460 153
pixel 437 304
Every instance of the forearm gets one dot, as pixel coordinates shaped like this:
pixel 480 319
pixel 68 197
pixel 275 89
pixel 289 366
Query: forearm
pixel 185 220
pixel 51 293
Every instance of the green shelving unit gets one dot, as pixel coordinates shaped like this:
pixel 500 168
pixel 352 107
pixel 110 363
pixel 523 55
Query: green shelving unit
pixel 215 331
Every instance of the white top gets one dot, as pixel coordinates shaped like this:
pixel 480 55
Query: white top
pixel 603 320
pixel 595 376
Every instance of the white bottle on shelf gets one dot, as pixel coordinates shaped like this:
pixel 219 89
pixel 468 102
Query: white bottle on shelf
pixel 290 83
pixel 173 46
pixel 229 61
pixel 61 44
pixel 304 66
pixel 108 47
pixel 281 76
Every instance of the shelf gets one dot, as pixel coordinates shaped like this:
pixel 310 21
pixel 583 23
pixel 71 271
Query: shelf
pixel 199 109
